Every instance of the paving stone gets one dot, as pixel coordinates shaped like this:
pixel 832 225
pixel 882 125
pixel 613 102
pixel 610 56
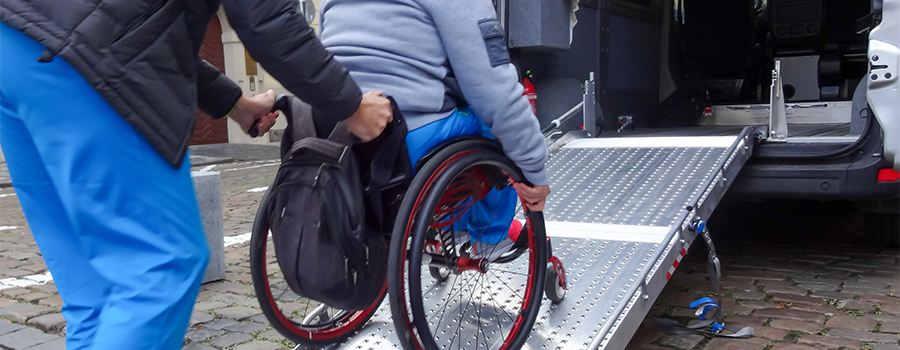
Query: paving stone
pixel 682 341
pixel 741 321
pixel 856 305
pixel 260 345
pixel 794 325
pixel 50 323
pixel 272 335
pixel 892 326
pixel 864 291
pixel 239 313
pixel 48 288
pixel 228 298
pixel 769 333
pixel 247 327
pixel 864 336
pixel 230 339
pixel 791 314
pixel 886 347
pixel 892 308
pixel 198 346
pixel 833 295
pixel 740 295
pixel 739 284
pixel 228 287
pixel 737 344
pixel 6 302
pixel 209 305
pixel 17 255
pixel 25 338
pixel 8 327
pixel 220 323
pixel 785 290
pixel 58 344
pixel 881 299
pixel 885 318
pixel 837 282
pixel 756 305
pixel 21 312
pixel 857 323
pixel 202 334
pixel 818 287
pixel 14 273
pixel 829 342
pixel 14 292
pixel 822 309
pixel 33 297
pixel 198 317
pixel 757 275
pixel 797 299
pixel 55 302
pixel 260 319
pixel 789 346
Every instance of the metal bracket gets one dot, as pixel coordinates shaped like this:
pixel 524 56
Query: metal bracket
pixel 590 107
pixel 778 129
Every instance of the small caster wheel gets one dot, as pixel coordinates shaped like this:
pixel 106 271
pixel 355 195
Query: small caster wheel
pixel 439 274
pixel 553 288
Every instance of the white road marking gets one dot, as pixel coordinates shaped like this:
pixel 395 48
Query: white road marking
pixel 239 239
pixel 3 228
pixel 7 195
pixel 207 168
pixel 258 189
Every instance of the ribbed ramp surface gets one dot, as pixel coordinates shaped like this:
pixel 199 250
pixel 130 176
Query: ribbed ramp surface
pixel 614 203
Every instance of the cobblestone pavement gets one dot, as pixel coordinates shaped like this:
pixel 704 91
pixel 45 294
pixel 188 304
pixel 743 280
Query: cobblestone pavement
pixel 798 275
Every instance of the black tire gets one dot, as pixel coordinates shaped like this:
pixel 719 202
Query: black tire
pixel 405 277
pixel 553 288
pixel 883 228
pixel 278 305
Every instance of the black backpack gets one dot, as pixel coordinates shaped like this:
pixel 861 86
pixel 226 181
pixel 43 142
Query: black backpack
pixel 317 213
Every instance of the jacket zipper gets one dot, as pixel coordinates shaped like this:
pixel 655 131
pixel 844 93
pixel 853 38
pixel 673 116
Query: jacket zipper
pixel 140 20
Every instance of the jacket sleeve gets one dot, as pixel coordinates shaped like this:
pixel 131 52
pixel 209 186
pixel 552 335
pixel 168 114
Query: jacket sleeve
pixel 476 48
pixel 277 36
pixel 216 94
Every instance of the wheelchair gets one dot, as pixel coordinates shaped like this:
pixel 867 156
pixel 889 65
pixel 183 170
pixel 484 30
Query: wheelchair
pixel 441 295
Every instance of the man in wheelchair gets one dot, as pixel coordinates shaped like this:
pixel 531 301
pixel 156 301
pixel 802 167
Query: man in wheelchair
pixel 447 66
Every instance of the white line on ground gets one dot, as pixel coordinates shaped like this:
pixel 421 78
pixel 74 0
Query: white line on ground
pixel 26 281
pixel 239 239
pixel 45 277
pixel 2 228
pixel 258 189
pixel 207 168
pixel 7 195
pixel 251 167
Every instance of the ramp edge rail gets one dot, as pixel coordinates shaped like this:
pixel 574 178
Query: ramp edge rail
pixel 727 169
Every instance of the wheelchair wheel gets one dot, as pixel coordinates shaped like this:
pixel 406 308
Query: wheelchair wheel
pixel 483 303
pixel 302 320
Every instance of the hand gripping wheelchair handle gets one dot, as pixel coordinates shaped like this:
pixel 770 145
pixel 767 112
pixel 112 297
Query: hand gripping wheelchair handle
pixel 281 101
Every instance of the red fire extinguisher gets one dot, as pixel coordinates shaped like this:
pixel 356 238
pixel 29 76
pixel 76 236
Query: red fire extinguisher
pixel 530 92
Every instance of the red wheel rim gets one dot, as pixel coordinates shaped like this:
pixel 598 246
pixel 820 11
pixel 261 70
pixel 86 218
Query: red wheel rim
pixel 353 319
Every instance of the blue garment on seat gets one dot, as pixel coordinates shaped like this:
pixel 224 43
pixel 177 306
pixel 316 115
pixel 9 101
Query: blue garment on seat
pixel 118 227
pixel 489 219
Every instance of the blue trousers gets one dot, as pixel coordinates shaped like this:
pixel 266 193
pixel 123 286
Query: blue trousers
pixel 489 219
pixel 118 227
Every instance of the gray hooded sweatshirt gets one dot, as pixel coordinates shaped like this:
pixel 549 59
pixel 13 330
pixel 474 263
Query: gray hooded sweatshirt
pixel 406 48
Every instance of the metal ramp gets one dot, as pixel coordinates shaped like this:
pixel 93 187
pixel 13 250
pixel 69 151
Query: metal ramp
pixel 619 217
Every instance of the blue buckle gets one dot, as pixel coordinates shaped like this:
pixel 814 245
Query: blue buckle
pixel 717 328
